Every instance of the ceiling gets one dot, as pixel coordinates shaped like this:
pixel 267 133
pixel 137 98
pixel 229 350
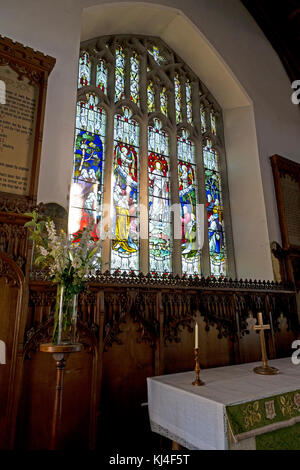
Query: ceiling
pixel 280 22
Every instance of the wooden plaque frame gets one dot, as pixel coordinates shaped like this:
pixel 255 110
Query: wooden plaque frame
pixel 36 67
pixel 290 252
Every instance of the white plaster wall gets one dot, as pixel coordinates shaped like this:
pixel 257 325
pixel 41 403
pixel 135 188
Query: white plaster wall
pixel 232 57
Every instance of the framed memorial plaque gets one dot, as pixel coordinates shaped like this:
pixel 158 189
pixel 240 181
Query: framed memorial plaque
pixel 287 187
pixel 23 84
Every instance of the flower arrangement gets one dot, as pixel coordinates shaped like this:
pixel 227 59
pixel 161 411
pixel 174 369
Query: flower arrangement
pixel 67 260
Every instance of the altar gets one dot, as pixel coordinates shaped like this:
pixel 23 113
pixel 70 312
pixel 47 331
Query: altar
pixel 235 409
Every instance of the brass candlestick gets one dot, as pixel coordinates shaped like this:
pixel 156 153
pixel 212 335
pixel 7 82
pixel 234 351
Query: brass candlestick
pixel 197 380
pixel 265 369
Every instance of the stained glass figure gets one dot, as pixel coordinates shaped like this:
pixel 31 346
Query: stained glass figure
pixel 120 74
pixel 213 125
pixel 84 73
pixel 216 236
pixel 203 118
pixel 125 194
pixel 164 101
pixel 160 230
pixel 87 184
pixel 177 89
pixel 101 76
pixel 157 56
pixel 134 78
pixel 151 97
pixel 188 194
pixel 188 97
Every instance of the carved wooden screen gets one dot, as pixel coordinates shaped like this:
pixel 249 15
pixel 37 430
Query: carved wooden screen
pixel 11 333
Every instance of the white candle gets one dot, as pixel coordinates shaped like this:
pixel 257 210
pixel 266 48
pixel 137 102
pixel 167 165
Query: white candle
pixel 260 318
pixel 196 335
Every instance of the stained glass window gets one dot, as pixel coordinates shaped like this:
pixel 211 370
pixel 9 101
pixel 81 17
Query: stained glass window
pixel 213 125
pixel 203 118
pixel 214 203
pixel 120 74
pixel 146 73
pixel 87 182
pixel 164 101
pixel 84 73
pixel 151 97
pixel 188 97
pixel 134 78
pixel 177 90
pixel 125 194
pixel 101 78
pixel 188 194
pixel 160 230
pixel 156 54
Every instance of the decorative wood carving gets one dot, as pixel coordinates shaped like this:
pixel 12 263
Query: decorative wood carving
pixel 12 325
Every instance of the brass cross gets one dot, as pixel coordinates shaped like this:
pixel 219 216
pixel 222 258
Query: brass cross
pixel 265 369
pixel 261 328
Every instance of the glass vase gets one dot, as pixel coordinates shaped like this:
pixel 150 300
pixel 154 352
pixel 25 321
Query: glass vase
pixel 65 319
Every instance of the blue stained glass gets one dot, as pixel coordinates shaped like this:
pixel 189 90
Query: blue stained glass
pixel 217 242
pixel 125 194
pixel 87 186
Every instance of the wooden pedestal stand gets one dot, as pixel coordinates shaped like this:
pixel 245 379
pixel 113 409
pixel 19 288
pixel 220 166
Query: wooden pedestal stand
pixel 60 354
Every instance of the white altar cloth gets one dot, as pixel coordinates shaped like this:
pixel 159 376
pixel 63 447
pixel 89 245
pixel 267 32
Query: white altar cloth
pixel 195 417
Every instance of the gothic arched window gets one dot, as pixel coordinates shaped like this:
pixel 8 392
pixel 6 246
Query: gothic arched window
pixel 144 113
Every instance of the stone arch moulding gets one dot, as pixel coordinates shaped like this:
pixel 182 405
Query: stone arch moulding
pixel 248 210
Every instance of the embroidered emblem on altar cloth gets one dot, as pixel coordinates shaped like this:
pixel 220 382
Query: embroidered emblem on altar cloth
pixel 270 409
